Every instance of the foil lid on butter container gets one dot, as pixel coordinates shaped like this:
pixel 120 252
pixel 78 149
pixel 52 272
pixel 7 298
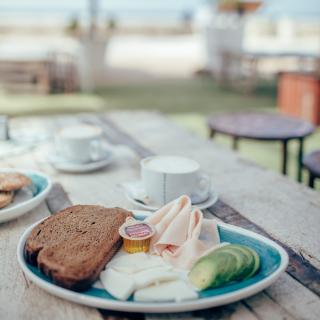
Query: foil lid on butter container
pixel 136 235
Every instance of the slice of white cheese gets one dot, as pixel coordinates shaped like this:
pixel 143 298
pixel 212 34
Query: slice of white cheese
pixel 119 285
pixel 153 276
pixel 133 263
pixel 176 290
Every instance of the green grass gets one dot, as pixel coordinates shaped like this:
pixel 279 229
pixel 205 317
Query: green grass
pixel 188 102
pixel 26 104
pixel 198 96
pixel 172 96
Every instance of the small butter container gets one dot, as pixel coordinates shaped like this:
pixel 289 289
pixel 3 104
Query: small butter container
pixel 136 235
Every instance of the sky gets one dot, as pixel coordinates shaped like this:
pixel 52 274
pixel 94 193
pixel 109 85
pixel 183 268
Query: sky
pixel 120 9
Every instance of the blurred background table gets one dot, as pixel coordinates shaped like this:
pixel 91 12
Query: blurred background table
pixel 263 127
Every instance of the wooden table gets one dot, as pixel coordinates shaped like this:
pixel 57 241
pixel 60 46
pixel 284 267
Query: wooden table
pixel 264 127
pixel 250 196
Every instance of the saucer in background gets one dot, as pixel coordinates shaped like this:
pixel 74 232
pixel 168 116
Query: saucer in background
pixel 61 164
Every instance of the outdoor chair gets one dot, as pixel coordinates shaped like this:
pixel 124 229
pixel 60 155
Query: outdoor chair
pixel 311 162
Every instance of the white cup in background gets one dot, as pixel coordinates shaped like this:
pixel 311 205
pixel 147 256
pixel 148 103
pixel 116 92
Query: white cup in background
pixel 79 143
pixel 166 178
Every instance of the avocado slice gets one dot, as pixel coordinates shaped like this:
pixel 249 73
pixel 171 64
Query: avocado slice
pixel 202 273
pixel 226 266
pixel 252 255
pixel 245 261
pixel 228 263
pixel 256 263
pixel 213 270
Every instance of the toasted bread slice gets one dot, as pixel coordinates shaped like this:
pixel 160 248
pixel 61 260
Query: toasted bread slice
pixel 75 244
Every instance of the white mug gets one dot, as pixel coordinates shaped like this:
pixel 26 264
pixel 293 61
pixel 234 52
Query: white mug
pixel 79 143
pixel 166 178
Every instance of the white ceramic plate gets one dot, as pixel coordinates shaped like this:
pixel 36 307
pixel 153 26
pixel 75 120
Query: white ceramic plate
pixel 274 261
pixel 27 198
pixel 67 166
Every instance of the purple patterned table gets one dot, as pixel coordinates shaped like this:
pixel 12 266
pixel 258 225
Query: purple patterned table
pixel 265 127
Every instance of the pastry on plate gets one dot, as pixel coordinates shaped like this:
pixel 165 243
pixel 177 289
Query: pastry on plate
pixel 5 198
pixel 11 181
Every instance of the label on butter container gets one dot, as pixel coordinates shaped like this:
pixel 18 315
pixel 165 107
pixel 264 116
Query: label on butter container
pixel 135 229
pixel 136 235
pixel 140 230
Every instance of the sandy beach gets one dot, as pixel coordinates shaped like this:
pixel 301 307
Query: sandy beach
pixel 140 56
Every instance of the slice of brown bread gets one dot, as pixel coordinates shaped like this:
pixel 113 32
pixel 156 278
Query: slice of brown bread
pixel 75 244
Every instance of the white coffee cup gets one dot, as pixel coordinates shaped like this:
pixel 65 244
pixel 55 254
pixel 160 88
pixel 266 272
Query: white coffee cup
pixel 165 178
pixel 79 143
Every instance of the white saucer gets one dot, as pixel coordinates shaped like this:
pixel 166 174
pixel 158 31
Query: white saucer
pixel 147 204
pixel 61 164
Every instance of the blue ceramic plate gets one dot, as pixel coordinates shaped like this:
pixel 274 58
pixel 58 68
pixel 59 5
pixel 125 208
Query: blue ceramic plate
pixel 274 261
pixel 27 198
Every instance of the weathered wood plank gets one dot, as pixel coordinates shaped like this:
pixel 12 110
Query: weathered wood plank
pixel 265 308
pixel 234 311
pixel 294 298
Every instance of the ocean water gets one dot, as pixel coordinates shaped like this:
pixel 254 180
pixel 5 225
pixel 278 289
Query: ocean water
pixel 127 11
pixel 120 10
